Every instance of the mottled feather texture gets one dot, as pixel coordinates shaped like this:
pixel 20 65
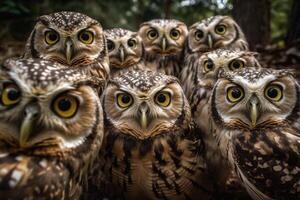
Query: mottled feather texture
pixel 46 153
pixel 259 134
pixel 162 160
pixel 163 41
pixel 72 39
pixel 125 50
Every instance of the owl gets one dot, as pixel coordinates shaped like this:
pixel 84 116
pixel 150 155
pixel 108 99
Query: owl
pixel 72 39
pixel 151 149
pixel 125 50
pixel 198 85
pixel 163 41
pixel 51 129
pixel 255 115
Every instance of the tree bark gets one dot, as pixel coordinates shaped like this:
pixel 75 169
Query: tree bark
pixel 168 4
pixel 254 18
pixel 293 33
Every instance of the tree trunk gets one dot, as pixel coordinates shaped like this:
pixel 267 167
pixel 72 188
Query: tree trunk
pixel 254 18
pixel 168 4
pixel 294 23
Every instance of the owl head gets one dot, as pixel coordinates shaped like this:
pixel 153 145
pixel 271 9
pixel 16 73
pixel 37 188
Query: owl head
pixel 69 38
pixel 46 109
pixel 215 32
pixel 124 47
pixel 209 64
pixel 163 36
pixel 254 98
pixel 144 104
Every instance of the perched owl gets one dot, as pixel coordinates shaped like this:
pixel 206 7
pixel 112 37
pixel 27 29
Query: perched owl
pixel 72 39
pixel 163 41
pixel 51 129
pixel 125 50
pixel 255 116
pixel 151 150
pixel 198 84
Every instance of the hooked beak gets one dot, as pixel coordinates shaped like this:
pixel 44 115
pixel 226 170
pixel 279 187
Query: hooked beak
pixel 122 56
pixel 164 44
pixel 210 41
pixel 143 115
pixel 69 50
pixel 253 111
pixel 30 116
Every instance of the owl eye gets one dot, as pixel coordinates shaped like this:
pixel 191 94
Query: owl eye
pixel 51 37
pixel 131 43
pixel 152 34
pixel 208 65
pixel 163 99
pixel 199 35
pixel 235 94
pixel 274 92
pixel 236 64
pixel 110 45
pixel 10 95
pixel 175 34
pixel 124 100
pixel 86 37
pixel 65 106
pixel 220 29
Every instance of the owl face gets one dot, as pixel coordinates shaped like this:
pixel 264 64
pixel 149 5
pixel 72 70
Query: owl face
pixel 68 38
pixel 229 60
pixel 124 47
pixel 144 103
pixel 162 36
pixel 251 98
pixel 215 32
pixel 45 108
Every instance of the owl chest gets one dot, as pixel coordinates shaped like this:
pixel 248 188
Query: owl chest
pixel 169 66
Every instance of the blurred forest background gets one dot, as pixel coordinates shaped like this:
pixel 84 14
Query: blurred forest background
pixel 269 25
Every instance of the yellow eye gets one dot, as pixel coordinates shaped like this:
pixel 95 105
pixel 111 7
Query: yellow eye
pixel 274 92
pixel 11 95
pixel 220 29
pixel 175 34
pixel 208 65
pixel 110 45
pixel 163 99
pixel 124 100
pixel 199 35
pixel 235 94
pixel 65 106
pixel 86 37
pixel 152 34
pixel 51 37
pixel 236 64
pixel 131 43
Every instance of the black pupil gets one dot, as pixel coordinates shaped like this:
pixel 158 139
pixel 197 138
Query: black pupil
pixel 125 99
pixel 13 94
pixel 236 93
pixel 174 33
pixel 64 105
pixel 131 43
pixel 161 98
pixel 153 34
pixel 272 93
pixel 199 34
pixel 52 36
pixel 209 65
pixel 110 45
pixel 85 36
pixel 220 29
pixel 236 65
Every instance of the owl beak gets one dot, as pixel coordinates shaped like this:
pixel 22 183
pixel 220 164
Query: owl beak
pixel 210 41
pixel 122 55
pixel 30 115
pixel 69 50
pixel 253 111
pixel 164 44
pixel 143 115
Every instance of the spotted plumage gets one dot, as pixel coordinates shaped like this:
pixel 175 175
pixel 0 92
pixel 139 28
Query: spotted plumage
pixel 151 148
pixel 72 39
pixel 51 129
pixel 125 50
pixel 255 116
pixel 163 41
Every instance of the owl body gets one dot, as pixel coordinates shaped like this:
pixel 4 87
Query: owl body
pixel 51 128
pixel 255 115
pixel 151 150
pixel 125 50
pixel 72 39
pixel 163 41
